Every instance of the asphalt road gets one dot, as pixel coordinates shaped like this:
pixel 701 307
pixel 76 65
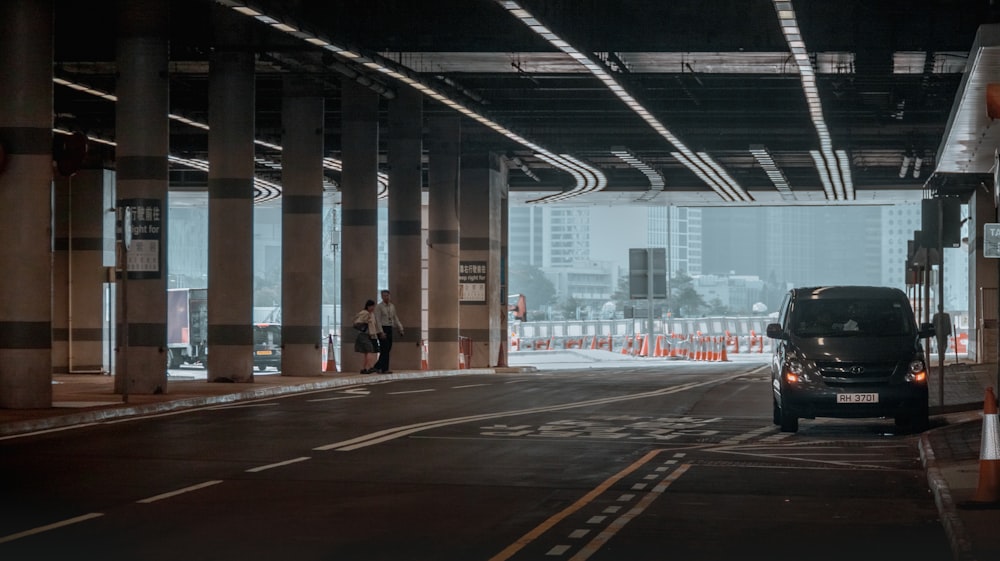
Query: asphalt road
pixel 636 463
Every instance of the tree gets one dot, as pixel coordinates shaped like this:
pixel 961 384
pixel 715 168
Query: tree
pixel 717 307
pixel 684 299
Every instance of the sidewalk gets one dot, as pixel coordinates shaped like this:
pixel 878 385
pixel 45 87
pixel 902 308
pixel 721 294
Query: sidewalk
pixel 949 450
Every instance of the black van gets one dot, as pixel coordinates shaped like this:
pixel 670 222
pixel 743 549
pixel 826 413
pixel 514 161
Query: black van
pixel 267 346
pixel 851 352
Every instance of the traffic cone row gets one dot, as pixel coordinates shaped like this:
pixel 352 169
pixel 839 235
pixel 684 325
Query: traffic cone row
pixel 692 347
pixel 987 493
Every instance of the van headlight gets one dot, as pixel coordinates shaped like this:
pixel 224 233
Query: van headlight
pixel 793 371
pixel 917 372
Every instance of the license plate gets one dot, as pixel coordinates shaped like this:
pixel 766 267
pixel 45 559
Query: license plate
pixel 857 398
pixel 263 353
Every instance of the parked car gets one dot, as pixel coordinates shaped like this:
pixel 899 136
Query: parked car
pixel 849 352
pixel 267 345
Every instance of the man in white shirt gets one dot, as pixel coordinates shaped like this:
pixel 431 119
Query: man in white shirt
pixel 385 314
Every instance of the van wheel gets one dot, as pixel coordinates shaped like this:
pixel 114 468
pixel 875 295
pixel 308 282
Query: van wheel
pixel 776 414
pixel 915 421
pixel 261 367
pixel 788 422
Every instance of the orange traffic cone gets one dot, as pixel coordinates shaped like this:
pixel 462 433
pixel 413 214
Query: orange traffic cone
pixel 724 357
pixel 644 349
pixel 988 491
pixel 331 361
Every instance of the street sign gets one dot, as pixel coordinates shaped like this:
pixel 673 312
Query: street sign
pixel 991 240
pixel 647 265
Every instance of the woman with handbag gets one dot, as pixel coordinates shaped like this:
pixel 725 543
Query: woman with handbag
pixel 366 341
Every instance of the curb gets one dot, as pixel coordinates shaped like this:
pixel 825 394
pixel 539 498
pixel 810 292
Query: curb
pixel 120 411
pixel 958 538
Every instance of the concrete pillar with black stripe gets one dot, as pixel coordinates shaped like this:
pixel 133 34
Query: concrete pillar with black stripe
pixel 84 249
pixel 26 38
pixel 405 159
pixel 143 137
pixel 484 181
pixel 230 200
pixel 301 228
pixel 444 146
pixel 359 196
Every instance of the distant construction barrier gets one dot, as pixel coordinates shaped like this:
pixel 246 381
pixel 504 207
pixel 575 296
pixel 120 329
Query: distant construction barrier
pixel 698 339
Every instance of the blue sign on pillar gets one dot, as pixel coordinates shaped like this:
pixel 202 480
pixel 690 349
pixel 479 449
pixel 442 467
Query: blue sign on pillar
pixel 147 234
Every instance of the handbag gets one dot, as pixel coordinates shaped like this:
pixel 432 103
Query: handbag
pixel 360 322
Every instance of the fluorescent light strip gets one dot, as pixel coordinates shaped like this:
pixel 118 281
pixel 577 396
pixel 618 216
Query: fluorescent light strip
pixel 592 180
pixel 824 174
pixel 328 163
pixel 834 170
pixel 735 188
pixel 845 172
pixel 773 172
pixel 721 184
pixel 263 190
pixel 705 173
pixel 656 182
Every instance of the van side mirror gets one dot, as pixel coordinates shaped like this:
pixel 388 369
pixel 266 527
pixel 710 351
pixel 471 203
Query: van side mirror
pixel 774 331
pixel 926 330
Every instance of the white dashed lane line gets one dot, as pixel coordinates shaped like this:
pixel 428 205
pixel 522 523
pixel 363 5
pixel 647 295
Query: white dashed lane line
pixel 47 527
pixel 278 464
pixel 155 498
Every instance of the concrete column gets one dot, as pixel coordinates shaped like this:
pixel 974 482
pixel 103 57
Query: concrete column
pixel 142 133
pixel 504 270
pixel 444 161
pixel 301 229
pixel 359 191
pixel 405 155
pixel 83 227
pixel 230 201
pixel 483 184
pixel 26 204
pixel 983 274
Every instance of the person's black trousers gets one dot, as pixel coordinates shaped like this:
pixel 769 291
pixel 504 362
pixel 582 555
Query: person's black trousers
pixel 385 345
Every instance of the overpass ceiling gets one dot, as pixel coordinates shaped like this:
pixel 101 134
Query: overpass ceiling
pixel 720 76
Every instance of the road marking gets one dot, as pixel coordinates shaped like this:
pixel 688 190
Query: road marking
pixel 46 431
pixel 620 522
pixel 577 534
pixel 611 509
pixel 279 464
pixel 411 391
pixel 468 386
pixel 596 519
pixel 558 550
pixel 48 527
pixel 386 435
pixel 179 492
pixel 583 501
pixel 242 406
pixel 353 392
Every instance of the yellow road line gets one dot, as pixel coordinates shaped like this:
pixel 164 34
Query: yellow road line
pixel 531 536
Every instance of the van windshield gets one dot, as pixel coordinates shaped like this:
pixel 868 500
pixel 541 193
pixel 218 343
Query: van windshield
pixel 843 317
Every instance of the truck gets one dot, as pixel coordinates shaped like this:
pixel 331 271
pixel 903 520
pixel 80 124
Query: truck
pixel 187 327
